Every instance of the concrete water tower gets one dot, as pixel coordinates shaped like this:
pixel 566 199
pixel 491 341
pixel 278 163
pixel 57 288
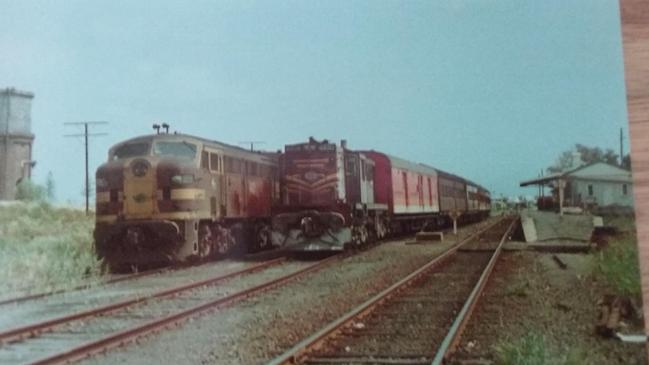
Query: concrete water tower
pixel 16 140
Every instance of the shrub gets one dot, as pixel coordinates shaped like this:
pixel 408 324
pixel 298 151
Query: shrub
pixel 42 246
pixel 26 190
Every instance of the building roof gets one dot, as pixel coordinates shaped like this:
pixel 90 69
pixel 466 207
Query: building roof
pixel 595 171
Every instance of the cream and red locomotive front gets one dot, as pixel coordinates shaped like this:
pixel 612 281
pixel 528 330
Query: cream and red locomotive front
pixel 167 198
pixel 333 197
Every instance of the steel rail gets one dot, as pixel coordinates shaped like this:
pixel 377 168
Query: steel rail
pixel 293 354
pixel 452 338
pixel 84 286
pixel 31 330
pixel 129 335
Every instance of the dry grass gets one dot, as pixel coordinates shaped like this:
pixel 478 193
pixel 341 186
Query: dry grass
pixel 43 247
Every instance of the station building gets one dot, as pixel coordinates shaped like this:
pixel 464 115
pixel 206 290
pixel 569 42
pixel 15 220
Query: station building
pixel 598 185
pixel 16 140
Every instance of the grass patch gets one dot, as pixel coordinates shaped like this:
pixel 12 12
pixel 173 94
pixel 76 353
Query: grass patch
pixel 519 289
pixel 533 349
pixel 43 247
pixel 618 266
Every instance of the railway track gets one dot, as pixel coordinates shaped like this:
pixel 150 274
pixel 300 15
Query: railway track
pixel 415 321
pixel 79 335
pixel 119 278
pixel 114 280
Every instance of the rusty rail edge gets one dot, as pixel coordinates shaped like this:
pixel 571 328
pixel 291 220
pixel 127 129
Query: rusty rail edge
pixel 298 350
pixel 129 335
pixel 32 330
pixel 452 338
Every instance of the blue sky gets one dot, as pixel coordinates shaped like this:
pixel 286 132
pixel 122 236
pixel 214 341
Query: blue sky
pixel 492 90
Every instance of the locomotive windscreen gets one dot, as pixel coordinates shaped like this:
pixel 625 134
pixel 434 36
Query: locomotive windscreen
pixel 131 150
pixel 176 149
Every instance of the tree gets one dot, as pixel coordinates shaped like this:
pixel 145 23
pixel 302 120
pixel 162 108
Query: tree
pixel 26 190
pixel 588 155
pixel 626 161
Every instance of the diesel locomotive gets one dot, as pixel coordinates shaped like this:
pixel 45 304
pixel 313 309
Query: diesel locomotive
pixel 166 198
pixel 333 197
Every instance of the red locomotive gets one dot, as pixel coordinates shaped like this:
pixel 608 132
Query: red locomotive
pixel 171 197
pixel 333 197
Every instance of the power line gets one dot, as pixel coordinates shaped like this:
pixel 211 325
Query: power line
pixel 86 135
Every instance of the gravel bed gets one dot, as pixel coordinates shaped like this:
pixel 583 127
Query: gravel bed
pixel 95 328
pixel 20 314
pixel 529 293
pixel 413 324
pixel 258 329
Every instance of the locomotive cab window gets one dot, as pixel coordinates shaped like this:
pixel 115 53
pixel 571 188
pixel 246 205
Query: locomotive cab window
pixel 205 160
pixel 351 166
pixel 232 165
pixel 184 150
pixel 130 150
pixel 214 162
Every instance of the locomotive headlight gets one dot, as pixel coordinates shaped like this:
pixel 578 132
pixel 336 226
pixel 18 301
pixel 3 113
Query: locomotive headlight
pixel 182 179
pixel 140 167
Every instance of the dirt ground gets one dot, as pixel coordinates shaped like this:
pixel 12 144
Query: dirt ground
pixel 529 294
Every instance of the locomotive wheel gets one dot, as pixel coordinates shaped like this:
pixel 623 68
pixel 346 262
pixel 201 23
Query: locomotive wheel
pixel 359 235
pixel 262 237
pixel 225 240
pixel 206 242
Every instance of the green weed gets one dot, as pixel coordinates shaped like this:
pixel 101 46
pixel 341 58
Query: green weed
pixel 528 350
pixel 533 349
pixel 618 266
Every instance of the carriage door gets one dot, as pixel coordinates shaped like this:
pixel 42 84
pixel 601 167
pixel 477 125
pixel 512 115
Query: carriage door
pixel 420 190
pixel 367 180
pixel 215 189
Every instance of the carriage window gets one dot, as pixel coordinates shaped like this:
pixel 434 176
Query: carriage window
pixel 176 149
pixel 130 150
pixel 205 161
pixel 214 162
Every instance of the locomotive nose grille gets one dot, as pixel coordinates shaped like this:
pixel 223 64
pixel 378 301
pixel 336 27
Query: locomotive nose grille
pixel 139 189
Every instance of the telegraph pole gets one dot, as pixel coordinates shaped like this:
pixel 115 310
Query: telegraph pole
pixel 86 135
pixel 621 148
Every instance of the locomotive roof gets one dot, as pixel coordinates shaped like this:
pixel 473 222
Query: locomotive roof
pixel 187 137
